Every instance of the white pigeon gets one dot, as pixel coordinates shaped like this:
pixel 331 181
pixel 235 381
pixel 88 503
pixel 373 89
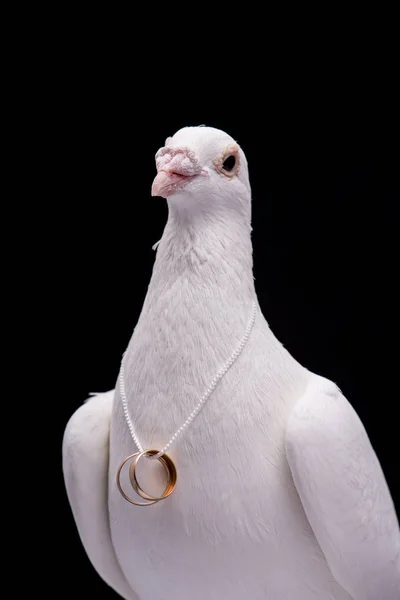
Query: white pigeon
pixel 280 495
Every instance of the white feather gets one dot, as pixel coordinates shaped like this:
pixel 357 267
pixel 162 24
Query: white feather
pixel 344 493
pixel 85 466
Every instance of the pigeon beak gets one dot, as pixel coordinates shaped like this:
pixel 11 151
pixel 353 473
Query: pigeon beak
pixel 176 168
pixel 167 183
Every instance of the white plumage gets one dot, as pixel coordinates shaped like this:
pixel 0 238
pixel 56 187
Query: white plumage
pixel 280 495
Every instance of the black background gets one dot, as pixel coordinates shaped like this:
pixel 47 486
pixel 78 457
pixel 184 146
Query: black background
pixel 323 177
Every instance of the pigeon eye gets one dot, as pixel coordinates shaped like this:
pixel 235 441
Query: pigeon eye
pixel 229 163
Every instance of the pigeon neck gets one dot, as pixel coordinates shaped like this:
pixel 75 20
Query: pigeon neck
pixel 211 254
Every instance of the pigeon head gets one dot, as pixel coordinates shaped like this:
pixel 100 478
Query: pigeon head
pixel 202 167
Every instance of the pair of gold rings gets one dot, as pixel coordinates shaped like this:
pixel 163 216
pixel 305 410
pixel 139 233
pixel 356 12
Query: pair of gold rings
pixel 168 465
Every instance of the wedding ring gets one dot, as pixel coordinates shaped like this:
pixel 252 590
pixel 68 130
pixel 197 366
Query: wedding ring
pixel 118 477
pixel 169 466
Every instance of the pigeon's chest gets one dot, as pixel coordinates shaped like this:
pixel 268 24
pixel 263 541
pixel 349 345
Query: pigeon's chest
pixel 233 477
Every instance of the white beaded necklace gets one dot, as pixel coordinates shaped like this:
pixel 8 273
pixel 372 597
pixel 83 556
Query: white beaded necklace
pixel 160 455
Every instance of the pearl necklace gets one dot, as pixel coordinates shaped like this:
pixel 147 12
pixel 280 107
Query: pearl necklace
pixel 161 455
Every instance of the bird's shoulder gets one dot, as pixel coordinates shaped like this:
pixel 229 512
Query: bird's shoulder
pixel 322 413
pixel 87 430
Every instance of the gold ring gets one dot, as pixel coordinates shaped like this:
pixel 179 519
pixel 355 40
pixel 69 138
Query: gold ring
pixel 120 487
pixel 169 466
pixel 166 462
